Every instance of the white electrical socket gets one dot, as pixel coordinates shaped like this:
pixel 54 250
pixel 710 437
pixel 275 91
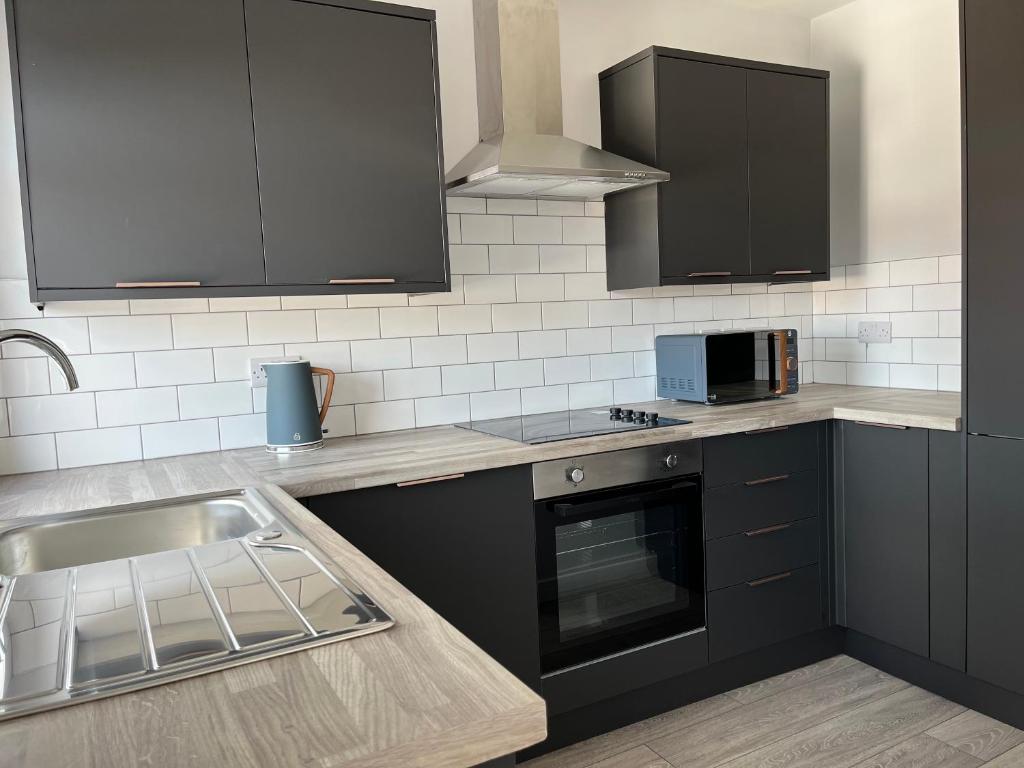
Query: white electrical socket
pixel 874 332
pixel 257 375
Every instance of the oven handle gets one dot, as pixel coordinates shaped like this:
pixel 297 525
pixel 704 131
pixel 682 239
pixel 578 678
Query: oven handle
pixel 565 509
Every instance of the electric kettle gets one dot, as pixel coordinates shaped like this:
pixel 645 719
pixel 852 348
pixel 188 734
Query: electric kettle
pixel 293 422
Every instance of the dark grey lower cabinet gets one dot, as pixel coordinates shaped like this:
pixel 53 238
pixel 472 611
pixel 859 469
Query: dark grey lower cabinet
pixel 464 546
pixel 883 518
pixel 947 542
pixel 995 565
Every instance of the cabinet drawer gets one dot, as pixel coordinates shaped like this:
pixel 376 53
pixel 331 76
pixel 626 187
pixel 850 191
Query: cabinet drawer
pixel 756 455
pixel 739 508
pixel 759 553
pixel 753 615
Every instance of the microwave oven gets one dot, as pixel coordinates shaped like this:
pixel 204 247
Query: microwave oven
pixel 727 366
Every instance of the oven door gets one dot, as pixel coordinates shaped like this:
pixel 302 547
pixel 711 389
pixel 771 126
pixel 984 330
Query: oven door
pixel 618 569
pixel 746 365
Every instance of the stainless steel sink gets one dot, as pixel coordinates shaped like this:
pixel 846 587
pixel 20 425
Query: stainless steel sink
pixel 98 603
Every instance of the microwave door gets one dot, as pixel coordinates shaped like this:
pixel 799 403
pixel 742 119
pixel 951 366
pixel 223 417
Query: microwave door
pixel 735 369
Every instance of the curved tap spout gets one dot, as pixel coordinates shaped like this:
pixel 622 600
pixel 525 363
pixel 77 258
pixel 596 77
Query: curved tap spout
pixel 45 344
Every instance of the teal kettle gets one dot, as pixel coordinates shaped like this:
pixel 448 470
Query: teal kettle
pixel 294 423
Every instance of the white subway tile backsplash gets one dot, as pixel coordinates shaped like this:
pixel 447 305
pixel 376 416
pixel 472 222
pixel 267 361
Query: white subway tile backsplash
pixel 491 347
pixel 52 413
pixel 431 411
pixel 137 406
pixel 408 321
pixel 463 379
pixel 224 398
pixel 528 281
pixel 513 259
pixel 185 366
pixel 381 354
pixel 407 383
pixel 130 334
pixel 537 229
pixel 98 446
pixel 348 324
pixel 193 331
pixel 438 350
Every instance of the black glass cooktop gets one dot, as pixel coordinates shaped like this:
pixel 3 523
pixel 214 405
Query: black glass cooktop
pixel 565 425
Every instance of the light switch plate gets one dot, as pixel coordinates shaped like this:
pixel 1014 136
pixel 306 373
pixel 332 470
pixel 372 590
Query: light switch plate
pixel 874 332
pixel 258 376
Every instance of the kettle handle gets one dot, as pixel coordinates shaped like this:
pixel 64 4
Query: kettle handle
pixel 327 394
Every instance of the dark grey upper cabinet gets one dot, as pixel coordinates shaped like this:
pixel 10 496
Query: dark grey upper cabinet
pixel 746 144
pixel 347 137
pixel 995 569
pixel 994 204
pixel 788 147
pixel 222 147
pixel 137 154
pixel 884 532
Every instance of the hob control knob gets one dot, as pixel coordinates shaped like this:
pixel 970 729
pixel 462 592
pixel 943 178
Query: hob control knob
pixel 652 417
pixel 627 413
pixel 671 461
pixel 615 412
pixel 640 415
pixel 574 475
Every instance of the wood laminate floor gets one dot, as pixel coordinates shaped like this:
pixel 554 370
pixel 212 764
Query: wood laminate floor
pixel 838 713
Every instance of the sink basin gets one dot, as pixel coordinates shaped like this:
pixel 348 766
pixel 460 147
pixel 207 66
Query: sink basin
pixel 66 541
pixel 102 602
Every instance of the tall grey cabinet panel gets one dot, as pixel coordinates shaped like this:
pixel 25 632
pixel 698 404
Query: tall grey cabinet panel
pixel 136 139
pixel 704 213
pixel 993 59
pixel 884 519
pixel 788 143
pixel 347 136
pixel 995 568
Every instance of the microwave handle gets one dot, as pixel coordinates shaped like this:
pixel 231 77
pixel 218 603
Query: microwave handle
pixel 567 509
pixel 779 385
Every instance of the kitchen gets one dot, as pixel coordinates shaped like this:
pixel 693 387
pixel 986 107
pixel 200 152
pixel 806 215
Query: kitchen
pixel 550 382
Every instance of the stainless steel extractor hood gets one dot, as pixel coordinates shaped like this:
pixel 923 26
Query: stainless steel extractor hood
pixel 522 152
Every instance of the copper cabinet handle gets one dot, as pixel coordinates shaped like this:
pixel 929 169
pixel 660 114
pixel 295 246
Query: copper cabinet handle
pixel 766 480
pixel 770 579
pixel 426 480
pixel 792 272
pixel 765 431
pixel 361 280
pixel 160 284
pixel 710 274
pixel 769 529
pixel 878 424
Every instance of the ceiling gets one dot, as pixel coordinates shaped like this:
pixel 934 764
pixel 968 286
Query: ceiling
pixel 805 8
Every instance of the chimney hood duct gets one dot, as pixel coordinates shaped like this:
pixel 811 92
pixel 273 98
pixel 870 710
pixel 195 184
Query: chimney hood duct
pixel 522 152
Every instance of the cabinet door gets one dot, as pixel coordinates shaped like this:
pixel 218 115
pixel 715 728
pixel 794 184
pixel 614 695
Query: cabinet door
pixel 345 109
pixel 994 200
pixel 995 569
pixel 787 121
pixel 885 533
pixel 702 142
pixel 464 546
pixel 139 163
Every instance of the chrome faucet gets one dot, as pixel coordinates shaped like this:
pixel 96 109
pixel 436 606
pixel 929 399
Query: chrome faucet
pixel 51 349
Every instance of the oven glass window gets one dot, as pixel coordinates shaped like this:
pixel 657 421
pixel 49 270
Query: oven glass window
pixel 618 569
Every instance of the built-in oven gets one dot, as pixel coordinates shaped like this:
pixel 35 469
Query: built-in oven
pixel 620 551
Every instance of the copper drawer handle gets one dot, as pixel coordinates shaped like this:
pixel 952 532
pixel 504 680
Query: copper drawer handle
pixel 362 281
pixel 710 274
pixel 765 431
pixel 426 480
pixel 792 272
pixel 766 480
pixel 770 579
pixel 883 426
pixel 161 284
pixel 769 529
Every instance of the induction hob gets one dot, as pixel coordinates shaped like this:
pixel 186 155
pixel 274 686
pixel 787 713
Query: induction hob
pixel 566 425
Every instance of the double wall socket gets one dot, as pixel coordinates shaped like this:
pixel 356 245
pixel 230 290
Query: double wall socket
pixel 874 332
pixel 257 374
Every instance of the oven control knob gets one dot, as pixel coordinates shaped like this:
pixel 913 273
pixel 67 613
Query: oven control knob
pixel 671 461
pixel 574 475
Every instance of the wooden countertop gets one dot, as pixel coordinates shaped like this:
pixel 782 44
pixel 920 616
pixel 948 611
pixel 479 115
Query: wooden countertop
pixel 419 694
